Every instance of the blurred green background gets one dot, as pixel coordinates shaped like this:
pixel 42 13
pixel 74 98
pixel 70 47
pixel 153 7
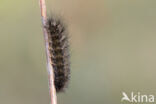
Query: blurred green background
pixel 113 49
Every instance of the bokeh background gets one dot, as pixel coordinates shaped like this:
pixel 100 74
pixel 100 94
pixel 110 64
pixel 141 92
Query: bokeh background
pixel 113 49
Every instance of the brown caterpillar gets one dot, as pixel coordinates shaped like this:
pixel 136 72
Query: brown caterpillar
pixel 58 47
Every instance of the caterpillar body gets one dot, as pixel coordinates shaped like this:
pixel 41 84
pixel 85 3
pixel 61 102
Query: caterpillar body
pixel 59 50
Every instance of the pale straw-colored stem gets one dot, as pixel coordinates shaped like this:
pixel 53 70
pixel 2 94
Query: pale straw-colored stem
pixel 50 69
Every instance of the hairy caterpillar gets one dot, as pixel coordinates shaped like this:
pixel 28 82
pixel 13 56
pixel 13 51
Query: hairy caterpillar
pixel 58 47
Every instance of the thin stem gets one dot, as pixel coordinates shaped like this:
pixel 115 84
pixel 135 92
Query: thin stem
pixel 50 69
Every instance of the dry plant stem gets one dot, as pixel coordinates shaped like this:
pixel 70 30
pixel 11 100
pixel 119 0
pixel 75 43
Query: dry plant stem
pixel 50 69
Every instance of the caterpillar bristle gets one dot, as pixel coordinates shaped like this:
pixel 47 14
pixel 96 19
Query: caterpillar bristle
pixel 58 47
